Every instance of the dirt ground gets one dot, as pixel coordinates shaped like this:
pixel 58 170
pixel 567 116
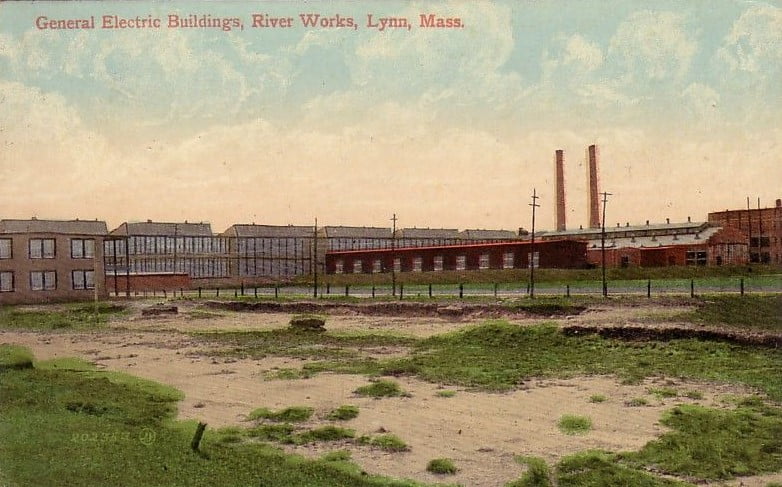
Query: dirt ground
pixel 480 432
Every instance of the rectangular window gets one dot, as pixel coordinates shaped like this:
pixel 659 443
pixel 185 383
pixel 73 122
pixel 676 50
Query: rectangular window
pixel 339 266
pixel 358 267
pixel 696 257
pixel 42 248
pixel 507 260
pixel 461 262
pixel 533 260
pixel 417 264
pixel 83 279
pixel 397 264
pixel 6 249
pixel 6 282
pixel 483 261
pixel 377 266
pixel 438 262
pixel 82 248
pixel 43 280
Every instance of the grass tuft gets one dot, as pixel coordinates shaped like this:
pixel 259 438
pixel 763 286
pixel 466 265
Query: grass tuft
pixel 693 394
pixel 380 388
pixel 385 442
pixel 537 474
pixel 445 393
pixel 596 398
pixel 295 414
pixel 441 466
pixel 574 425
pixel 324 433
pixel 15 357
pixel 663 392
pixel 343 413
pixel 637 402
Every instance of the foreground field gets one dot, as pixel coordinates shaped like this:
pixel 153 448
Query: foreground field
pixel 488 396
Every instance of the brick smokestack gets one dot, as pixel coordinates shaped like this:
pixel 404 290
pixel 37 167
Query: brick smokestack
pixel 560 190
pixel 594 197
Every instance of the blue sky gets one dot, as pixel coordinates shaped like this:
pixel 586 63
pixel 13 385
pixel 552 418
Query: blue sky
pixel 445 127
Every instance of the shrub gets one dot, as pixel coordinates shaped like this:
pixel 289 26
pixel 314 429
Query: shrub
pixel 441 466
pixel 343 413
pixel 574 425
pixel 636 402
pixel 385 442
pixel 597 398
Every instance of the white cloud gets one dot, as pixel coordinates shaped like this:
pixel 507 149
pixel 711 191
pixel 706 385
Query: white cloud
pixel 755 41
pixel 654 44
pixel 583 52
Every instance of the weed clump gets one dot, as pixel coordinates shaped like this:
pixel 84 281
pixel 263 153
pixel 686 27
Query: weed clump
pixel 597 398
pixel 381 388
pixel 385 442
pixel 574 425
pixel 294 414
pixel 537 474
pixel 343 413
pixel 15 357
pixel 637 402
pixel 663 392
pixel 446 393
pixel 441 466
pixel 325 433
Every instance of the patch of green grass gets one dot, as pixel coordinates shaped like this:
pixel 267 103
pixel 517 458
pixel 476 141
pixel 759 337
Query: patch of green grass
pixel 537 474
pixel 380 388
pixel 15 357
pixel 717 444
pixel 445 393
pixel 385 442
pixel 288 374
pixel 343 413
pixel 324 433
pixel 663 392
pixel 600 469
pixel 748 311
pixel 596 398
pixel 336 456
pixel 78 316
pixel 91 430
pixel 441 466
pixel 281 433
pixel 295 414
pixel 295 343
pixel 693 394
pixel 574 425
pixel 637 402
pixel 499 356
pixel 200 314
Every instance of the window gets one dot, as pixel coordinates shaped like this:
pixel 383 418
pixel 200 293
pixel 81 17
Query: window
pixel 461 262
pixel 377 266
pixel 417 264
pixel 533 260
pixel 339 266
pixel 82 248
pixel 43 280
pixel 397 265
pixel 42 248
pixel 507 260
pixel 625 261
pixel 6 282
pixel 6 250
pixel 483 261
pixel 438 262
pixel 358 267
pixel 83 279
pixel 696 257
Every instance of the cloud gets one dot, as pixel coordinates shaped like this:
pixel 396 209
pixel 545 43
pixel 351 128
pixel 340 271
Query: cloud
pixel 583 52
pixel 754 43
pixel 655 45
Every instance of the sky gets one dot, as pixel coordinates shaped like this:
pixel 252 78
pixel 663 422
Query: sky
pixel 450 127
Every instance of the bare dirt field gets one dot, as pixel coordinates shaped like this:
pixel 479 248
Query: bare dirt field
pixel 481 432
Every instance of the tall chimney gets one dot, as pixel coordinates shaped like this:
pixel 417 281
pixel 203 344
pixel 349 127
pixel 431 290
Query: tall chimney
pixel 560 190
pixel 594 201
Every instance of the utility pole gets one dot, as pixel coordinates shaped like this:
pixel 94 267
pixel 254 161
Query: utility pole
pixel 315 260
pixel 393 256
pixel 531 259
pixel 603 243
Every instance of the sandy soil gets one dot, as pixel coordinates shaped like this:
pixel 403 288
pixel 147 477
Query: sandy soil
pixel 481 432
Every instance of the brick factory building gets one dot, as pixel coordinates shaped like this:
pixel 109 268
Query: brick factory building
pixel 51 260
pixel 504 255
pixel 762 227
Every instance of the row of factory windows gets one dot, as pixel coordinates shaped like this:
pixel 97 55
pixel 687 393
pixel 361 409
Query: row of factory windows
pixel 194 267
pixel 47 280
pixel 508 259
pixel 140 245
pixel 46 248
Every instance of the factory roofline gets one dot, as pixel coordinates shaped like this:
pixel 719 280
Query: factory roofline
pixel 691 226
pixel 70 227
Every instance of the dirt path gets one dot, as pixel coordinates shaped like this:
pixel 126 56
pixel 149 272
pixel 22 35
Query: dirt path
pixel 481 432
